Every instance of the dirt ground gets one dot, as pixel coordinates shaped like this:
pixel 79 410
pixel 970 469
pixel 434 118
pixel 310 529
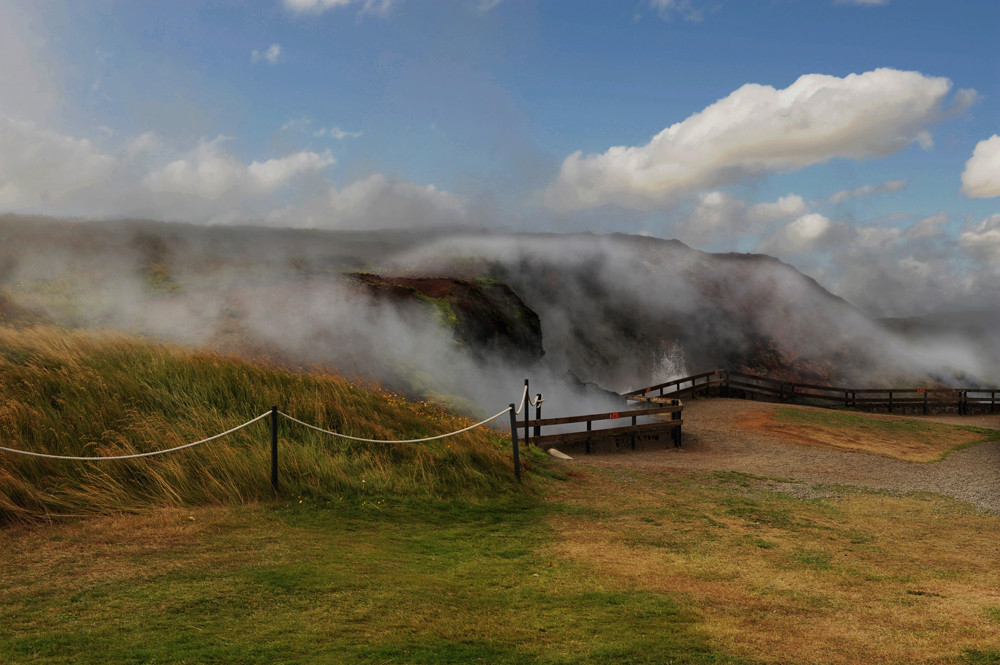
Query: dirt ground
pixel 716 439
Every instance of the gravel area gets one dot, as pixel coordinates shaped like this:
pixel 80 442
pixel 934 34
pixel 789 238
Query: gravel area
pixel 713 441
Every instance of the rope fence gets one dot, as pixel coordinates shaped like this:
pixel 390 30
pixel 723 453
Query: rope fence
pixel 274 413
pixel 96 458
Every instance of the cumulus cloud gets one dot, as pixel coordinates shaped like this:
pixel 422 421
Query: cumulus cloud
pixel 376 202
pixel 808 233
pixel 981 178
pixel 787 207
pixel 716 217
pixel 756 130
pixel 381 202
pixel 271 55
pixel 209 171
pixel 38 165
pixel 867 190
pixel 982 240
pixel 928 227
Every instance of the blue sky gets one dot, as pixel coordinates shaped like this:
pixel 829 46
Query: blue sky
pixel 852 139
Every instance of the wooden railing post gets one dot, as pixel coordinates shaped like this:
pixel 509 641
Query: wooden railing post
pixel 538 414
pixel 513 441
pixel 527 439
pixel 676 415
pixel 589 428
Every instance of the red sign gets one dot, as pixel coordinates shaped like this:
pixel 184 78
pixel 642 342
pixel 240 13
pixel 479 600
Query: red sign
pixel 616 414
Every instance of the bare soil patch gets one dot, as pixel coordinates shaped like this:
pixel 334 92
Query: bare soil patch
pixel 897 437
pixel 716 438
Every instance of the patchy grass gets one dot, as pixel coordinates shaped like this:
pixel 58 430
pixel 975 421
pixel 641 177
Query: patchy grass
pixel 410 582
pixel 903 438
pixel 607 566
pixel 858 578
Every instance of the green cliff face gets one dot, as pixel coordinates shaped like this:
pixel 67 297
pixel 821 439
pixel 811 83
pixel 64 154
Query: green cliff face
pixel 485 316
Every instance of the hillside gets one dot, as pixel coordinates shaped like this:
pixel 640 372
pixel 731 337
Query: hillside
pixel 92 394
pixel 614 311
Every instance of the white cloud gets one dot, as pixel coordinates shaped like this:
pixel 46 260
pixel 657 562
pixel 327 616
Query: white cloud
pixel 209 172
pixel 806 234
pixel 296 124
pixel 981 178
pixel 29 76
pixel 867 190
pixel 928 227
pixel 38 166
pixel 755 130
pixel 271 55
pixel 274 173
pixel 717 216
pixel 684 8
pixel 336 133
pixel 879 237
pixel 379 7
pixel 376 202
pixel 983 239
pixel 786 207
pixel 381 202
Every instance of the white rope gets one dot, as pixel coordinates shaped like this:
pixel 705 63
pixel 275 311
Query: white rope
pixel 430 438
pixel 536 402
pixel 524 398
pixel 155 452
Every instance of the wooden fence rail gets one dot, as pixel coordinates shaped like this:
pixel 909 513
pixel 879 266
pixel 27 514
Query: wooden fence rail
pixel 924 399
pixel 634 431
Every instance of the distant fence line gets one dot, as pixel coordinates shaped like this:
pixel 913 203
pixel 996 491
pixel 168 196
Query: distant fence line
pixel 926 400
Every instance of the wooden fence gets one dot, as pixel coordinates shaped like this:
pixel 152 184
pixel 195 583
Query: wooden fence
pixel 741 384
pixel 667 420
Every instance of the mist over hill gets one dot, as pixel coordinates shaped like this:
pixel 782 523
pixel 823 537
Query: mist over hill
pixel 616 311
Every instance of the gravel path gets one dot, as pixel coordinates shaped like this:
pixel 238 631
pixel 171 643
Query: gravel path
pixel 713 441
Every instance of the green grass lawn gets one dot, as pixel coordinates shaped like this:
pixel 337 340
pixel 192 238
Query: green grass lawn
pixel 599 567
pixel 448 582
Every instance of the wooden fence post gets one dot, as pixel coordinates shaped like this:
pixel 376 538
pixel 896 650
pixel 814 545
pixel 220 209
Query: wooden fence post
pixel 274 448
pixel 676 415
pixel 513 440
pixel 527 439
pixel 538 414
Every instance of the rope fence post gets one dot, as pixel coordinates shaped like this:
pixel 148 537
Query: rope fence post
pixel 513 440
pixel 538 414
pixel 676 415
pixel 527 438
pixel 274 448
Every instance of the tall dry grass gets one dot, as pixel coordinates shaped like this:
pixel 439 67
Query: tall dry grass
pixel 85 393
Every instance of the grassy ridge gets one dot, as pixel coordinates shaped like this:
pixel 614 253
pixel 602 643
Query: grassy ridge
pixel 77 393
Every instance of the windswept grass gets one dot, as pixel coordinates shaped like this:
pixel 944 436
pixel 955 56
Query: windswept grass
pixel 81 394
